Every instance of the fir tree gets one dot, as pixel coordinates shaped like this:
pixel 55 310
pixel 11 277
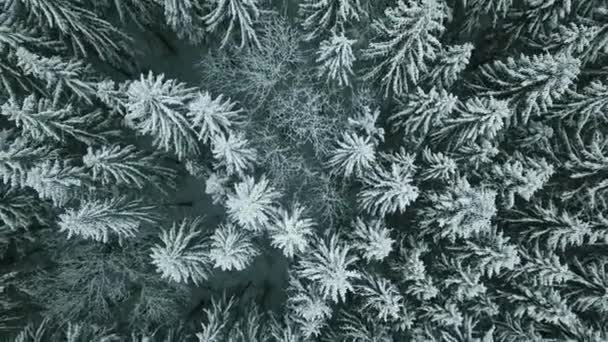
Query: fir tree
pixel 321 16
pixel 57 181
pixel 99 220
pixel 531 84
pixel 420 111
pixel 387 191
pixel 328 266
pixel 125 165
pixel 233 153
pixel 291 230
pixel 372 239
pixel 406 41
pixel 353 155
pixel 450 64
pixel 381 297
pixel 476 119
pixel 58 74
pixel 182 256
pixel 18 155
pixel 156 107
pixel 211 117
pixel 459 211
pixel 41 120
pixel 231 249
pixel 240 14
pixel 336 58
pixel 252 204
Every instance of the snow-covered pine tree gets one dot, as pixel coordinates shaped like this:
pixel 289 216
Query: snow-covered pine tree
pixel 406 40
pixel 336 58
pixel 73 75
pixel 233 153
pixel 232 248
pixel 58 181
pixel 183 255
pixel 322 16
pixel 438 166
pixel 125 165
pixel 20 209
pixel 460 211
pixel 80 29
pixel 18 154
pixel 291 230
pixel 476 119
pixel 372 239
pixel 252 205
pixel 522 176
pixel 157 107
pixel 40 120
pixel 99 220
pixel 386 191
pixel 353 155
pixel 530 84
pixel 420 112
pixel 329 266
pixel 185 17
pixel 451 61
pixel 210 117
pixel 234 15
pixel 380 297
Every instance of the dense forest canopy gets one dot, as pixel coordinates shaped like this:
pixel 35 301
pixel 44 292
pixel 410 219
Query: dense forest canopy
pixel 304 170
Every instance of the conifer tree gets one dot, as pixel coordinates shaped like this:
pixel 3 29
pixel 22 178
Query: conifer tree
pixel 420 111
pixel 388 191
pixel 450 63
pixel 530 84
pixel 231 249
pixel 239 14
pixel 321 16
pixel 211 117
pixel 233 153
pixel 460 211
pixel 252 205
pixel 100 219
pixel 125 165
pixel 57 181
pixel 353 155
pixel 156 107
pixel 41 120
pixel 336 58
pixel 329 266
pixel 406 41
pixel 291 230
pixel 372 239
pixel 183 256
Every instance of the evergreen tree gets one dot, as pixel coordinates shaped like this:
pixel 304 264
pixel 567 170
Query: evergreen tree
pixel 233 153
pixel 388 191
pixel 156 107
pixel 125 165
pixel 421 111
pixel 291 230
pixel 321 16
pixel 372 239
pixel 353 155
pixel 406 41
pixel 41 120
pixel 57 181
pixel 231 249
pixel 98 220
pixel 459 211
pixel 182 256
pixel 252 205
pixel 234 13
pixel 336 58
pixel 328 266
pixel 211 117
pixel 531 84
pixel 450 63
